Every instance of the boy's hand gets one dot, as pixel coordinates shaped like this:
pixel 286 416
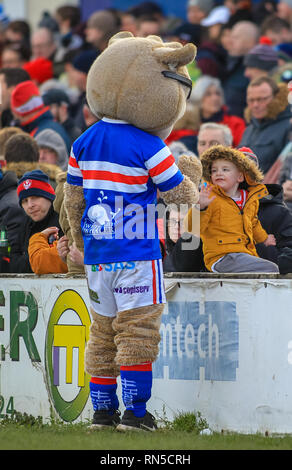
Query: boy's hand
pixel 205 199
pixel 270 240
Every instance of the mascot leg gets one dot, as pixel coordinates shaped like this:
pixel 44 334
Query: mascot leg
pixel 137 342
pixel 100 364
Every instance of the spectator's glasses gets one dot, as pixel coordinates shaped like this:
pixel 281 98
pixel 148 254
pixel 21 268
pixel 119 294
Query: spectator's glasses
pixel 258 100
pixel 180 78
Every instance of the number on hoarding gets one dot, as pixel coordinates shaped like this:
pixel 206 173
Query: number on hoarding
pixel 9 408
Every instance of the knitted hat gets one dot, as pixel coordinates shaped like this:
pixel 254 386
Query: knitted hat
pixel 55 96
pixel 26 98
pixel 252 173
pixel 35 183
pixel 48 138
pixel 263 56
pixel 188 32
pixel 249 153
pixel 40 69
pixel 84 60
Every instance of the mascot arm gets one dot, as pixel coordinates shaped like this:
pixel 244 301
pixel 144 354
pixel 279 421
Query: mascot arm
pixel 187 191
pixel 74 204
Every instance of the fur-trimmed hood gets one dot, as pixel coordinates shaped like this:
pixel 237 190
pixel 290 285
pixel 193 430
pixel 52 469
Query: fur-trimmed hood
pixel 20 168
pixel 275 107
pixel 252 173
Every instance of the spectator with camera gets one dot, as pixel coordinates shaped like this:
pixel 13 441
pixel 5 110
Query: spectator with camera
pixel 36 196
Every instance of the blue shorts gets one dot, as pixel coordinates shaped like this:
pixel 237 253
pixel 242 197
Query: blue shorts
pixel 115 287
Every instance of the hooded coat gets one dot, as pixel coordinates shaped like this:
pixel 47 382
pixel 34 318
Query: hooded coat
pixel 267 137
pixel 19 168
pixel 224 228
pixel 11 214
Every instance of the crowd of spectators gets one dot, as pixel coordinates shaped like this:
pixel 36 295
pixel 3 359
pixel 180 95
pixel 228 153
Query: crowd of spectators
pixel 240 99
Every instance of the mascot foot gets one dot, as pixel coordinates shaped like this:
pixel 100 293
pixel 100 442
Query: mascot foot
pixel 130 422
pixel 104 419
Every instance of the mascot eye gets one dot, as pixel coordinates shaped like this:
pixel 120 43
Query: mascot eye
pixel 180 78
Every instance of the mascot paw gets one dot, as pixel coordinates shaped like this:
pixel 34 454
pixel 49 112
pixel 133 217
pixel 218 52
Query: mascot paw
pixel 191 166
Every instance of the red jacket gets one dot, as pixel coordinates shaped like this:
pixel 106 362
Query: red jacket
pixel 236 125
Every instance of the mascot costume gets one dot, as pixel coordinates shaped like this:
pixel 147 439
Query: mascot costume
pixel 137 88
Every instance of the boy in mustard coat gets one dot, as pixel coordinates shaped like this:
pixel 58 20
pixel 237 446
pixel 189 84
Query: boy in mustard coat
pixel 229 202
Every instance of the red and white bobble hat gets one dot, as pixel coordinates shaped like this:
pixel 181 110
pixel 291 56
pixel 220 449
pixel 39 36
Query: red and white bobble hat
pixel 250 154
pixel 26 98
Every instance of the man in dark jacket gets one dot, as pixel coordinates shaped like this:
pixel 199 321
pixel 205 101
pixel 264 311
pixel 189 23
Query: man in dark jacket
pixel 11 215
pixel 28 106
pixel 276 218
pixel 36 196
pixel 269 116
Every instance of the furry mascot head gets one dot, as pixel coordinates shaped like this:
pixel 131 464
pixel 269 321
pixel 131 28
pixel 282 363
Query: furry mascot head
pixel 143 81
pixel 137 87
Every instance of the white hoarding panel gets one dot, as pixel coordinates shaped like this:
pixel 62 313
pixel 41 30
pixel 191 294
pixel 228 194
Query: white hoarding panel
pixel 225 350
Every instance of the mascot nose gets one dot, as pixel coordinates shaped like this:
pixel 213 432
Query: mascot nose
pixel 180 78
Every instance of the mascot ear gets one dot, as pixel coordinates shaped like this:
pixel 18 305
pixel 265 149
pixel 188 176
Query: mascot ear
pixel 175 57
pixel 120 35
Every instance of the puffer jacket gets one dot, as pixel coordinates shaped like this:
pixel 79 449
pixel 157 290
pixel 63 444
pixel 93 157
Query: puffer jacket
pixel 44 258
pixel 224 228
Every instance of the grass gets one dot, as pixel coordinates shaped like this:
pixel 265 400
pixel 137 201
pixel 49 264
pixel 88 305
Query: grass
pixel 23 432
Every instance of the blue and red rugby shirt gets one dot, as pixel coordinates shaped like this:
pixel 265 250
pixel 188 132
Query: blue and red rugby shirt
pixel 120 168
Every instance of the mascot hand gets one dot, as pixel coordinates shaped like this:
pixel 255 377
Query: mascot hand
pixel 187 191
pixel 191 166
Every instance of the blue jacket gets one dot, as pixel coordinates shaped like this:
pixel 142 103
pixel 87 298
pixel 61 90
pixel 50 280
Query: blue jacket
pixel 44 121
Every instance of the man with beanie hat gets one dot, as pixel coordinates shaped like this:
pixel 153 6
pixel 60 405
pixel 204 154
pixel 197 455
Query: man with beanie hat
pixel 261 59
pixel 197 10
pixel 59 103
pixel 28 107
pixel 36 196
